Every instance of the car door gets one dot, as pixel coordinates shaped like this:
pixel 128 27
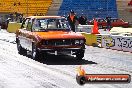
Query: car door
pixel 28 36
pixel 22 33
pixel 114 23
pixel 102 23
pixel 118 23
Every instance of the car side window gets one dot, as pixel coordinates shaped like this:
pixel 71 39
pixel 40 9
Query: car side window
pixel 36 25
pixel 116 20
pixel 112 20
pixel 103 20
pixel 29 25
pixel 120 20
pixel 25 23
pixel 99 20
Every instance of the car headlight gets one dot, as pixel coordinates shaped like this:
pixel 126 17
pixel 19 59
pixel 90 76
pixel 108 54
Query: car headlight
pixel 81 41
pixel 77 42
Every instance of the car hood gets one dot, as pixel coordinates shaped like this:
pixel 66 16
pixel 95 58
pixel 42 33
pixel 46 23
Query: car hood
pixel 59 35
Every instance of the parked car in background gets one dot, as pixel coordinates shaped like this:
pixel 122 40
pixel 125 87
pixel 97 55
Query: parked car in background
pixel 130 3
pixel 115 22
pixel 48 34
pixel 101 22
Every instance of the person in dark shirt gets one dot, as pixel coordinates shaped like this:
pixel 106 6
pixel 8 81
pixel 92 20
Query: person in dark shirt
pixel 82 20
pixel 72 19
pixel 108 19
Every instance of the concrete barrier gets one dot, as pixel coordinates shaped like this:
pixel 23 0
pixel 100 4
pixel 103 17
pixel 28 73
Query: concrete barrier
pixel 84 28
pixel 119 39
pixel 120 30
pixel 127 43
pixel 117 42
pixel 90 39
pixel 110 42
pixel 13 26
pixel 86 32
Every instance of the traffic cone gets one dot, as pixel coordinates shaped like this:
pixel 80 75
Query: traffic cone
pixel 95 28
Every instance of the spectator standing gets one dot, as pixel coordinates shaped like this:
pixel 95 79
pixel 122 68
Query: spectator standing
pixel 21 18
pixel 82 20
pixel 0 22
pixel 7 22
pixel 108 19
pixel 72 19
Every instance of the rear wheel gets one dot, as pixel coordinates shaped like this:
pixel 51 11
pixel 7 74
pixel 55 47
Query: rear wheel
pixel 21 50
pixel 80 55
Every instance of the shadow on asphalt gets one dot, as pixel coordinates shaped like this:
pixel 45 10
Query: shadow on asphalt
pixel 64 60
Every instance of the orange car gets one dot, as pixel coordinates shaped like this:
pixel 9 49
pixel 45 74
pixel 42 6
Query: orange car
pixel 48 34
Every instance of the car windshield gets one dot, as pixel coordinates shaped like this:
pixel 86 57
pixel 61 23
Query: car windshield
pixel 50 24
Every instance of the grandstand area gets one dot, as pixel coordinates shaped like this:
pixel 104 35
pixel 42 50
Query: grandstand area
pixel 89 8
pixel 26 7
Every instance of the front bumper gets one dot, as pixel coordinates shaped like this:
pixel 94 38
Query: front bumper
pixel 66 51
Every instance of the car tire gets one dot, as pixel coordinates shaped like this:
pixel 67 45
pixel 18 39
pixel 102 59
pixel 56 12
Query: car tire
pixel 38 55
pixel 35 53
pixel 80 55
pixel 21 50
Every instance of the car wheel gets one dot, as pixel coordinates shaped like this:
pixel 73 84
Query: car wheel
pixel 21 50
pixel 80 55
pixel 35 53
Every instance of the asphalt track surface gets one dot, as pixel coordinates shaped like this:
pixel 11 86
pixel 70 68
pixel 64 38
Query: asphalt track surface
pixel 18 71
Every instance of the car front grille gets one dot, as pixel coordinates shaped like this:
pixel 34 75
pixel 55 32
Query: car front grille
pixel 63 42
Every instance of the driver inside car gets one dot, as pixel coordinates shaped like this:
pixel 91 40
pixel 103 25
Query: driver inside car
pixel 36 25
